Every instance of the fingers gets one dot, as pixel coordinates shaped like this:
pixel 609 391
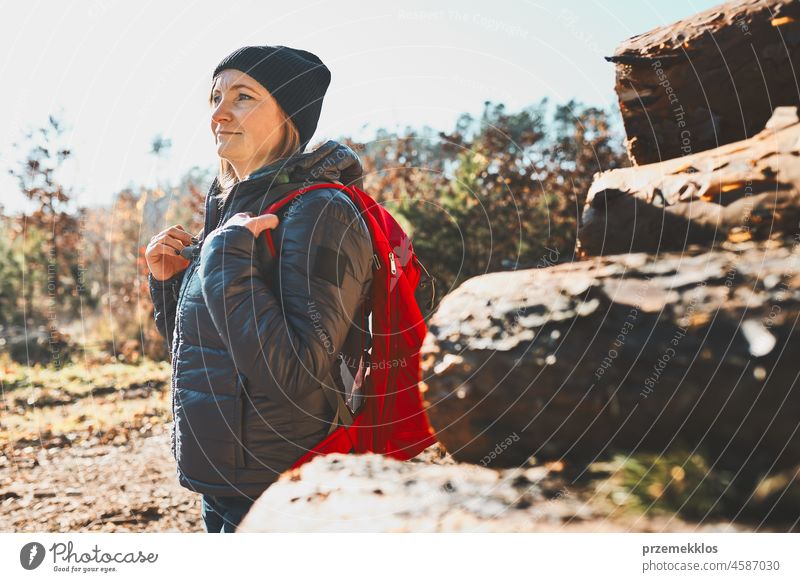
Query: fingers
pixel 266 221
pixel 193 238
pixel 240 218
pixel 257 224
pixel 163 249
pixel 173 243
pixel 178 232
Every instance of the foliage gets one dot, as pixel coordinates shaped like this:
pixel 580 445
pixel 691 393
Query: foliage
pixel 45 241
pixel 685 483
pixel 82 271
pixel 501 192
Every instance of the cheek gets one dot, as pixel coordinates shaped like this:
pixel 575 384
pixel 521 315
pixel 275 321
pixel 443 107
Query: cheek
pixel 265 124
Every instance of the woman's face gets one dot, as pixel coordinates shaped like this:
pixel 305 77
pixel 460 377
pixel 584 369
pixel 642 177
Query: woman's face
pixel 246 121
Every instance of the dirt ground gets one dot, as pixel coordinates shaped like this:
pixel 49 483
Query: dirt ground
pixel 87 450
pixel 132 487
pixel 102 488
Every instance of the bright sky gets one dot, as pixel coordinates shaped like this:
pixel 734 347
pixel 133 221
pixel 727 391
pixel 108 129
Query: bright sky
pixel 123 72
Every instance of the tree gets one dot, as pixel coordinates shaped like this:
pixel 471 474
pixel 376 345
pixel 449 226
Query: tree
pixel 503 191
pixel 50 232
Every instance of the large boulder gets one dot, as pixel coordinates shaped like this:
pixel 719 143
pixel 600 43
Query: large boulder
pixel 749 189
pixel 366 493
pixel 628 352
pixel 710 79
pixel 371 493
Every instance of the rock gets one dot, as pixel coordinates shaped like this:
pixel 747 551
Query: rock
pixel 707 80
pixel 744 190
pixel 372 493
pixel 627 352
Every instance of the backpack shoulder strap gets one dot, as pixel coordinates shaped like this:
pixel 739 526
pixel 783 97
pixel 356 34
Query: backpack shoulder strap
pixel 276 207
pixel 343 416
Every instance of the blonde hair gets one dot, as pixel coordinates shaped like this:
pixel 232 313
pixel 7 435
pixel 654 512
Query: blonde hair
pixel 288 145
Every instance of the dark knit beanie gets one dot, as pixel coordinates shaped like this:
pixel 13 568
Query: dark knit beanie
pixel 297 79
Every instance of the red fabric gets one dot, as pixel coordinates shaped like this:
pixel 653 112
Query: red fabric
pixel 392 421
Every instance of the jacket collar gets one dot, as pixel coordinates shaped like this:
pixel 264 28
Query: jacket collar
pixel 270 182
pixel 278 178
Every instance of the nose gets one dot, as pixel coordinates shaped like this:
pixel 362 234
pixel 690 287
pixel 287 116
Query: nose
pixel 221 113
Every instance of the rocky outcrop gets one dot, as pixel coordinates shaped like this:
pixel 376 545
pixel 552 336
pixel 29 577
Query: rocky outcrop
pixel 678 331
pixel 371 493
pixel 629 352
pixel 748 189
pixel 708 80
pixel 368 493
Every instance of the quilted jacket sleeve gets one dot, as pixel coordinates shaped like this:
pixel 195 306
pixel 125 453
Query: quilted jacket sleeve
pixel 164 295
pixel 286 344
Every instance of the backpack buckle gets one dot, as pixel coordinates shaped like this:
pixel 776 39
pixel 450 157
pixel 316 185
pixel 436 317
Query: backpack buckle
pixel 377 261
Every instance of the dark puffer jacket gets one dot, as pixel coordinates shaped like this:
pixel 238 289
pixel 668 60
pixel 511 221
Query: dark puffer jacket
pixel 254 337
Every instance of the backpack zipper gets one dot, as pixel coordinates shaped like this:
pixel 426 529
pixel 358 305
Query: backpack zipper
pixel 391 263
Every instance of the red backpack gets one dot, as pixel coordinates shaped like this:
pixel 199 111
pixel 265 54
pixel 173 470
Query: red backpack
pixel 390 418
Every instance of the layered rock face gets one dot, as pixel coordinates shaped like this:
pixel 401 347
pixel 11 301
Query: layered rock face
pixel 708 80
pixel 744 190
pixel 629 352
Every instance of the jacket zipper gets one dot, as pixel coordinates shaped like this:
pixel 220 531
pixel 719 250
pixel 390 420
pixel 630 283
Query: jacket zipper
pixel 176 331
pixel 240 460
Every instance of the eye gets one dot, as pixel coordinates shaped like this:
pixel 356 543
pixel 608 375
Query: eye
pixel 241 96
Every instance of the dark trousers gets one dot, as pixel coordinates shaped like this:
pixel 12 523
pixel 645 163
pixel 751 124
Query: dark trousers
pixel 223 514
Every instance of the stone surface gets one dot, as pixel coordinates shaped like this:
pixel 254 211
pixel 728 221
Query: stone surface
pixel 710 79
pixel 629 352
pixel 371 493
pixel 744 190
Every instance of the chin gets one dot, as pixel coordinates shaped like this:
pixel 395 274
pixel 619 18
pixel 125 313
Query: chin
pixel 224 150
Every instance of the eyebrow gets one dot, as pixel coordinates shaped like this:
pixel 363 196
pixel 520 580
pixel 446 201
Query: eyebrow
pixel 238 86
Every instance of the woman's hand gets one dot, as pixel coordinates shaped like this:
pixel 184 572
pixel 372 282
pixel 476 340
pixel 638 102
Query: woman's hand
pixel 163 252
pixel 255 224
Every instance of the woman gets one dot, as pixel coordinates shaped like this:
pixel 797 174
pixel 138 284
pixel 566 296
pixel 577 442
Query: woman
pixel 253 337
